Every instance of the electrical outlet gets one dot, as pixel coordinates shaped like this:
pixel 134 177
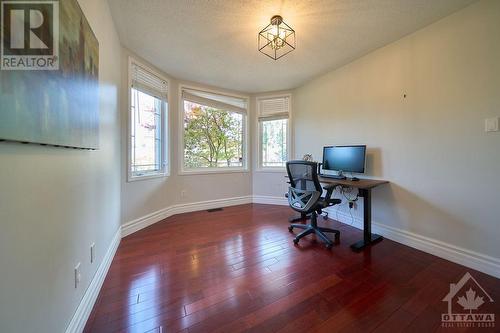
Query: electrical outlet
pixel 78 275
pixel 92 253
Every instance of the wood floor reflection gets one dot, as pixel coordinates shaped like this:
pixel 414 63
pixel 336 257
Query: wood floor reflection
pixel 237 270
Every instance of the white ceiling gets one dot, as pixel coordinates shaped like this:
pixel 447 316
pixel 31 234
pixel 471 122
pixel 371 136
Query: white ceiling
pixel 215 41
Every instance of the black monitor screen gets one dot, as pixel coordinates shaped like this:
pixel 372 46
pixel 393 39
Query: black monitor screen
pixel 344 158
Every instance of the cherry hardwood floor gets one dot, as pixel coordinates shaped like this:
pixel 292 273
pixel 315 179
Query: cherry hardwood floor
pixel 237 270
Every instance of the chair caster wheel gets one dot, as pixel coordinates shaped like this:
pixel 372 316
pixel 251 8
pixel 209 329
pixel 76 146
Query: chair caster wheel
pixel 290 228
pixel 329 246
pixel 295 241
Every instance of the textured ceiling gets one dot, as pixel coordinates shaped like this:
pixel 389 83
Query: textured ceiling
pixel 215 41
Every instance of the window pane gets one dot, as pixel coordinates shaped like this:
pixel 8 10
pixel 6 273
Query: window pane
pixel 274 150
pixel 213 138
pixel 146 132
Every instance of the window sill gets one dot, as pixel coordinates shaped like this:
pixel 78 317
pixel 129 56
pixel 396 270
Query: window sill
pixel 132 179
pixel 212 171
pixel 271 170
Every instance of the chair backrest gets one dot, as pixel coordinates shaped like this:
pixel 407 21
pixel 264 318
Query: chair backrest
pixel 303 175
pixel 305 188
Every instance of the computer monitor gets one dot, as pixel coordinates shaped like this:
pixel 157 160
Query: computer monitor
pixel 344 158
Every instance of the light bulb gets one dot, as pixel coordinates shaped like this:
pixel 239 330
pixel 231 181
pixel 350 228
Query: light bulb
pixel 277 37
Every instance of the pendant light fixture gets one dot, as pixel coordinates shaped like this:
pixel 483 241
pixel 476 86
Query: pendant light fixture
pixel 277 39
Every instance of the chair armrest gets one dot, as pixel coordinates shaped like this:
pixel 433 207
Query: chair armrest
pixel 333 202
pixel 328 197
pixel 329 191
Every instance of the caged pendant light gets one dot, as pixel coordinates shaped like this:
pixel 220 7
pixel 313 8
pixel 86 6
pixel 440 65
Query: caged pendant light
pixel 277 39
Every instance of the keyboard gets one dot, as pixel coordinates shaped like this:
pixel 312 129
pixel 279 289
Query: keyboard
pixel 333 176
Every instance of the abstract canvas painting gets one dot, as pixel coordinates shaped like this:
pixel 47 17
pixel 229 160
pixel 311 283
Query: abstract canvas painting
pixel 55 107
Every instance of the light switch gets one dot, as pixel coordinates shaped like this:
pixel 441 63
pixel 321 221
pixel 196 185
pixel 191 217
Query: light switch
pixel 491 125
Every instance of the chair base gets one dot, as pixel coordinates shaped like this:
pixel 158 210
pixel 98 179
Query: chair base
pixel 303 217
pixel 297 218
pixel 318 231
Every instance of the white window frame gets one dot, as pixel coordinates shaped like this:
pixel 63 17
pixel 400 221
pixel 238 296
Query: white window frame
pixel 165 132
pixel 204 171
pixel 289 142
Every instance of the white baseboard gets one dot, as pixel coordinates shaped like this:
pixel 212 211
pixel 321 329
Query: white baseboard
pixel 459 255
pixel 210 204
pixel 82 313
pixel 268 200
pixel 147 220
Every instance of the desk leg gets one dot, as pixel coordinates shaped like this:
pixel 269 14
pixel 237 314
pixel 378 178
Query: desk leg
pixel 368 237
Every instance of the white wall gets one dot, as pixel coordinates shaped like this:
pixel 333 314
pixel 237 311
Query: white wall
pixel 431 145
pixel 55 202
pixel 144 197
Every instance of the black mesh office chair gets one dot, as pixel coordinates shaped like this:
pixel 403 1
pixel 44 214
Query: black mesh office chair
pixel 304 196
